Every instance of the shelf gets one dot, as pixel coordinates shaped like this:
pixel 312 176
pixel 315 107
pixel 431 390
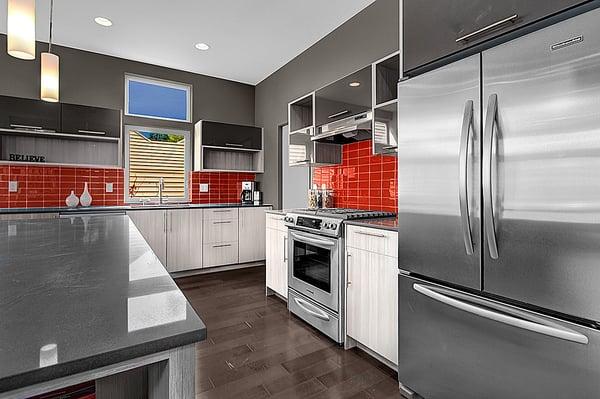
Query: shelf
pixel 386 73
pixel 386 104
pixel 56 164
pixel 231 148
pixel 231 160
pixel 301 113
pixel 306 131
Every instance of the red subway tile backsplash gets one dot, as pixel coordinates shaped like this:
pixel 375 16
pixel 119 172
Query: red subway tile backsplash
pixel 47 186
pixel 363 180
pixel 223 187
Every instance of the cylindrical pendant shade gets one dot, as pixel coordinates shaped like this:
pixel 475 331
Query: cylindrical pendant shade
pixel 20 29
pixel 49 77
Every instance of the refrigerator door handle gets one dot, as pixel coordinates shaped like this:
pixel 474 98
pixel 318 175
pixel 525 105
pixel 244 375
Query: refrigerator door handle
pixel 504 315
pixel 462 183
pixel 488 159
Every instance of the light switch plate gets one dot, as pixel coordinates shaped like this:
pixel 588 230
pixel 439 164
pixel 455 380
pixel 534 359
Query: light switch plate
pixel 203 187
pixel 12 230
pixel 109 187
pixel 13 186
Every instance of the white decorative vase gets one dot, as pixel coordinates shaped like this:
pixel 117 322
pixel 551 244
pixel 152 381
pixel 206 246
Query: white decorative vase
pixel 72 201
pixel 86 198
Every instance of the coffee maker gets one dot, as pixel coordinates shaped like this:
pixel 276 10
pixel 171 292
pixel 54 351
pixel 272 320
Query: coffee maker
pixel 247 197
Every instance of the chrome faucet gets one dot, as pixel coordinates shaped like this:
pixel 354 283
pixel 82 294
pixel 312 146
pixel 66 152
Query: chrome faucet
pixel 161 188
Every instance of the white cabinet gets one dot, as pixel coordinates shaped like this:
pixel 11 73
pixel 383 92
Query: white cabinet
pixel 276 254
pixel 252 225
pixel 175 236
pixel 152 224
pixel 372 290
pixel 184 238
pixel 220 237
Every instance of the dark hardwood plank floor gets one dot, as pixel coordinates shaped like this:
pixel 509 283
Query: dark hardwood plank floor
pixel 256 349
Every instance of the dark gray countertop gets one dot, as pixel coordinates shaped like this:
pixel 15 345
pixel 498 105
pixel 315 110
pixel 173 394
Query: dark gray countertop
pixel 376 223
pixel 80 293
pixel 108 209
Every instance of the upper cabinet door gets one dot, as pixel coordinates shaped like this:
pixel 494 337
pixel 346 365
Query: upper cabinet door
pixel 81 119
pixel 433 30
pixel 25 113
pixel 220 134
pixel 346 97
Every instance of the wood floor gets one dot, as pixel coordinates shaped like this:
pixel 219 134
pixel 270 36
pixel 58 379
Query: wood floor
pixel 256 349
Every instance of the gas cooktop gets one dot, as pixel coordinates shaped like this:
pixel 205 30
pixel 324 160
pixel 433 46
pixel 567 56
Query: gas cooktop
pixel 344 213
pixel 328 221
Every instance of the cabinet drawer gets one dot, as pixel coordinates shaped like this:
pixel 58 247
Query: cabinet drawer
pixel 221 214
pixel 218 231
pixel 275 221
pixel 380 241
pixel 219 254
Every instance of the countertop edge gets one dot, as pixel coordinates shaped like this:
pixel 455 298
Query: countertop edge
pixel 116 356
pixel 124 208
pixel 369 224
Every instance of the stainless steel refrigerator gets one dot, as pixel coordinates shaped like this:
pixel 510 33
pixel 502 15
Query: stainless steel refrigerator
pixel 499 215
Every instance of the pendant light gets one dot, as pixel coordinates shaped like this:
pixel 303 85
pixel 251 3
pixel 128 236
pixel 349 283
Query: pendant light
pixel 50 74
pixel 20 29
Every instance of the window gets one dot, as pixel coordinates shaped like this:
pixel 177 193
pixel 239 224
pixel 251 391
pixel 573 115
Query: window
pixel 152 153
pixel 158 99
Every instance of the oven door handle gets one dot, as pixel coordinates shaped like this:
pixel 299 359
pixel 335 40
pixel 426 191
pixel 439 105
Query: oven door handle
pixel 311 240
pixel 308 308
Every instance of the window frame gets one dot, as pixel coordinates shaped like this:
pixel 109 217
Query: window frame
pixel 187 163
pixel 159 82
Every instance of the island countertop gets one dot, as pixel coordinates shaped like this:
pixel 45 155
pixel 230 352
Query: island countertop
pixel 80 293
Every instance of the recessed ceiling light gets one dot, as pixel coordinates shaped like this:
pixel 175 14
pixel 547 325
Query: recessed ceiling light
pixel 103 21
pixel 354 84
pixel 202 46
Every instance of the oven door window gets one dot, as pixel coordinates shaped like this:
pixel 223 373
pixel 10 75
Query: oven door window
pixel 312 265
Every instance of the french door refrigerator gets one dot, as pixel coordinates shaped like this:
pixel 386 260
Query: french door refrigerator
pixel 499 215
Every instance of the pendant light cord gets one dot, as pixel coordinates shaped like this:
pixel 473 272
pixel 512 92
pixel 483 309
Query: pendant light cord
pixel 50 41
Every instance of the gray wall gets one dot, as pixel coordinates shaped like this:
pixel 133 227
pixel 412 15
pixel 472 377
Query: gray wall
pixel 98 80
pixel 367 37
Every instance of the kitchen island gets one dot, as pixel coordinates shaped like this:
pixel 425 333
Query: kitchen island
pixel 84 298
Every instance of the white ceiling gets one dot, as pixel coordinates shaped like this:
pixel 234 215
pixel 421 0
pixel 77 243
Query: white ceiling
pixel 249 39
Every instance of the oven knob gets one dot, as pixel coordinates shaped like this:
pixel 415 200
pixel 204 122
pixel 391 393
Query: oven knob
pixel 334 226
pixel 326 226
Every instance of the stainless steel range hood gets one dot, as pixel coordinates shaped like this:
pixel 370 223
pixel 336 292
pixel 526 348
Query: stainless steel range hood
pixel 347 130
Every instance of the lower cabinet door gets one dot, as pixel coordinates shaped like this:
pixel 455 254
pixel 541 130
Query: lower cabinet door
pixel 457 345
pixel 252 224
pixel 184 239
pixel 276 262
pixel 153 227
pixel 372 302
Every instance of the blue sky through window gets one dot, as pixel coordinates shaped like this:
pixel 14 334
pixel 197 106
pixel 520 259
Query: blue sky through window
pixel 158 101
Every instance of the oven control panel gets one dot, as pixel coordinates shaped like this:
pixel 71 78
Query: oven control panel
pixel 328 226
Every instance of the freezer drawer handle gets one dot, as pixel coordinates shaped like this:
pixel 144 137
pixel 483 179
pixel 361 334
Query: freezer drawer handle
pixel 463 193
pixel 308 308
pixel 496 24
pixel 489 143
pixel 550 329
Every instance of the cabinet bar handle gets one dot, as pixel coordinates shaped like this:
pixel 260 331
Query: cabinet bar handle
pixel 227 222
pixel 15 126
pixel 224 211
pixel 98 132
pixel 234 145
pixel 371 234
pixel 486 28
pixel 221 246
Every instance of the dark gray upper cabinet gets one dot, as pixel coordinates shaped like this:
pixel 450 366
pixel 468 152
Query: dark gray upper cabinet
pixel 29 114
pixel 91 121
pixel 434 30
pixel 348 96
pixel 219 134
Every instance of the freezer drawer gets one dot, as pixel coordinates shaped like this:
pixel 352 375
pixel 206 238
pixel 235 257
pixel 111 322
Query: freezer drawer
pixel 456 345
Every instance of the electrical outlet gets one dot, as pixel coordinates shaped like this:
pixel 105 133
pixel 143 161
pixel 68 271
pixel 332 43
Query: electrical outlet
pixel 109 187
pixel 12 230
pixel 203 187
pixel 13 186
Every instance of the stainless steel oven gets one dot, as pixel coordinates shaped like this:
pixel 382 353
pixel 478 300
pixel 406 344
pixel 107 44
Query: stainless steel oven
pixel 314 267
